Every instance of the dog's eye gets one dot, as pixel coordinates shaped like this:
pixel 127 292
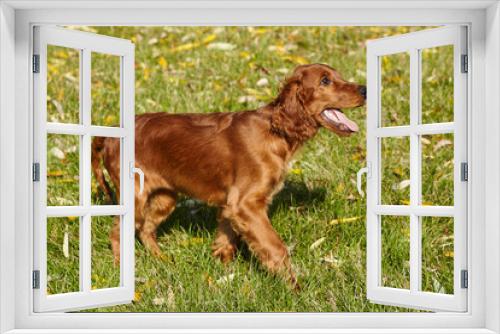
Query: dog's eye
pixel 325 81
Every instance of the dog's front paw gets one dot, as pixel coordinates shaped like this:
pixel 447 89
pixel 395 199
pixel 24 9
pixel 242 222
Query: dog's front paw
pixel 225 253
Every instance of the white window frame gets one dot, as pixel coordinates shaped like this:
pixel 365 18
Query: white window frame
pixel 412 44
pixel 17 19
pixel 86 44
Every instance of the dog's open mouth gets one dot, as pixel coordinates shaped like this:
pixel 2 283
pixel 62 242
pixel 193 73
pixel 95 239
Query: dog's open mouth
pixel 337 118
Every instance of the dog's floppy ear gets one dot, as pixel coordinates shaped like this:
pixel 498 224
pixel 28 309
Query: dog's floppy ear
pixel 290 118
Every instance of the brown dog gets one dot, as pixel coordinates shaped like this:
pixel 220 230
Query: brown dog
pixel 235 161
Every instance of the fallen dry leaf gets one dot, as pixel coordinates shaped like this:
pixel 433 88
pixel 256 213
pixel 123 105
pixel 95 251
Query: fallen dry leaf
pixel 317 243
pixel 225 279
pixel 345 220
pixel 66 243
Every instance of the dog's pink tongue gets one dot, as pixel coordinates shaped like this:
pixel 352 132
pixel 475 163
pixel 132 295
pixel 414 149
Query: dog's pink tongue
pixel 346 121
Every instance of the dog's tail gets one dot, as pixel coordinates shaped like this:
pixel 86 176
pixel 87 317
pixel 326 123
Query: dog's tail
pixel 97 155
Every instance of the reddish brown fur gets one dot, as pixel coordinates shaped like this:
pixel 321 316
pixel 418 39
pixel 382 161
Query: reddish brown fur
pixel 235 161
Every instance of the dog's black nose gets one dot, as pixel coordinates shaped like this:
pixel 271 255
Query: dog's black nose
pixel 362 91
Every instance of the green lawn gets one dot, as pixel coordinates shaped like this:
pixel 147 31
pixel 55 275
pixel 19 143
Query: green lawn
pixel 319 213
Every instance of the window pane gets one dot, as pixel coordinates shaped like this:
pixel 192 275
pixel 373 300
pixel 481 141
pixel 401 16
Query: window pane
pixel 63 165
pixel 105 170
pixel 437 254
pixel 63 258
pixel 395 89
pixel 105 273
pixel 437 84
pixel 63 84
pixel 105 89
pixel 437 169
pixel 395 251
pixel 395 170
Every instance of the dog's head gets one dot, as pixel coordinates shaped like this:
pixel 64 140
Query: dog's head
pixel 315 96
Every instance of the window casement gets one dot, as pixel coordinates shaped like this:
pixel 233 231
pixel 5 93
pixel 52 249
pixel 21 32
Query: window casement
pixel 380 130
pixel 83 131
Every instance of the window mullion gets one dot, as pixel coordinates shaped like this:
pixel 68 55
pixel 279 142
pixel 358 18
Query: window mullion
pixel 415 185
pixel 85 173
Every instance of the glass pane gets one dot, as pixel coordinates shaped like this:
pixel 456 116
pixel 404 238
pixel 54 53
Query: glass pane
pixel 437 169
pixel 395 170
pixel 437 254
pixel 395 251
pixel 105 89
pixel 63 84
pixel 105 170
pixel 63 165
pixel 105 273
pixel 395 89
pixel 63 258
pixel 437 84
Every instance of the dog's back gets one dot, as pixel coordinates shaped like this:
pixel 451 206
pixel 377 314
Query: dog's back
pixel 195 154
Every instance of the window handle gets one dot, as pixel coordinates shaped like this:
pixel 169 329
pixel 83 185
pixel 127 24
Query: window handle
pixel 135 170
pixel 365 170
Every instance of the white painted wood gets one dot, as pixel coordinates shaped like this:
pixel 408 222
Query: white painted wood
pixel 415 169
pixel 85 170
pixel 87 44
pixel 492 186
pixel 419 210
pixel 252 14
pixel 7 167
pixel 413 43
pixel 419 129
pixel 77 39
pixel 93 210
pixel 247 4
pixel 127 154
pixel 92 130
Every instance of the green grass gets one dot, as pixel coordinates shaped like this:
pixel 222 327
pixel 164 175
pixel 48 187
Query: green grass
pixel 180 69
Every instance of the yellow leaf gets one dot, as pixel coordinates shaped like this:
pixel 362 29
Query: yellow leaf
pixel 245 55
pixel 252 91
pixel 296 59
pixel 260 31
pixel 110 120
pixel 56 173
pixel 398 171
pixel 186 64
pixel 217 87
pixel 137 296
pixel 208 278
pixel 449 254
pixel 209 38
pixel 296 171
pixel 185 47
pixel 345 220
pixel 146 73
pixel 162 62
pixel 196 240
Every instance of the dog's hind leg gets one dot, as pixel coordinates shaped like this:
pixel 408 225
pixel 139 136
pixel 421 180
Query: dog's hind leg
pixel 114 236
pixel 159 205
pixel 226 240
